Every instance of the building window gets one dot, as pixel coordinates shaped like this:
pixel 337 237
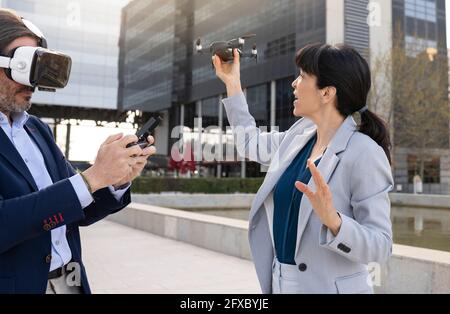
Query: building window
pixel 281 46
pixel 421 9
pixel 421 26
pixel 258 98
pixel 210 112
pixel 285 104
pixel 431 169
pixel 415 45
pixel 190 113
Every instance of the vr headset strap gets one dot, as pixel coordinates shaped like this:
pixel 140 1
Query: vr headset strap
pixel 5 62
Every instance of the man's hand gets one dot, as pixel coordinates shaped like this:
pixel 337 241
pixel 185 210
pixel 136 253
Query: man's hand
pixel 113 162
pixel 139 164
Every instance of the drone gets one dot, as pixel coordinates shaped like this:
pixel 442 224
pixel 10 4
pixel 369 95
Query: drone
pixel 224 49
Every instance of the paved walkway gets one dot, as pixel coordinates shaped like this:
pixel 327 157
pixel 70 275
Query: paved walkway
pixel 119 259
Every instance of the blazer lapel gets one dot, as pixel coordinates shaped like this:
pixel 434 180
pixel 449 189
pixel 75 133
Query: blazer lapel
pixel 50 162
pixel 11 154
pixel 278 165
pixel 326 167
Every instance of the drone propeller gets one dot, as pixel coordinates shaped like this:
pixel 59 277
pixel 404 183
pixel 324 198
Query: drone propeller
pixel 241 39
pixel 247 36
pixel 254 50
pixel 198 45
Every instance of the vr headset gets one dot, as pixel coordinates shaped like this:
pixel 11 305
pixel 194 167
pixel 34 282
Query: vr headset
pixel 37 66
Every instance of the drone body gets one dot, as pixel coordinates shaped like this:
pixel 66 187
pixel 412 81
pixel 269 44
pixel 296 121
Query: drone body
pixel 224 49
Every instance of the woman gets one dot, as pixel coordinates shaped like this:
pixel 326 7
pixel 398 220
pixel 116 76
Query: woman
pixel 322 213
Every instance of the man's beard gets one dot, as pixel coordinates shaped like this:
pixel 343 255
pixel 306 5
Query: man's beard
pixel 8 103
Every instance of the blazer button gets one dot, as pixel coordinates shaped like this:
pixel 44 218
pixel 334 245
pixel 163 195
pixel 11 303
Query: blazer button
pixel 53 224
pixel 47 227
pixel 302 267
pixel 48 259
pixel 344 248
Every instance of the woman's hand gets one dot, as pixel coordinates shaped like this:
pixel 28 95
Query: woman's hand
pixel 229 73
pixel 321 200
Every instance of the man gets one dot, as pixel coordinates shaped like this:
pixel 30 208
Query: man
pixel 42 199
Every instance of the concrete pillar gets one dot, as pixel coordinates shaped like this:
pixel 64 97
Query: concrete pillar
pixel 273 104
pixel 219 154
pixel 182 125
pixel 198 146
pixel 182 115
pixel 69 127
pixel 380 28
pixel 335 21
pixel 243 162
pixel 55 127
pixel 162 134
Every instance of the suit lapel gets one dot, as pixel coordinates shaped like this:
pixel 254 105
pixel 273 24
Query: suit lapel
pixel 279 163
pixel 326 167
pixel 11 154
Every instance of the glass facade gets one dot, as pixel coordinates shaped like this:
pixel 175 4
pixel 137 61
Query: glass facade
pixel 159 67
pixel 285 104
pixel 421 26
pixel 258 98
pixel 159 70
pixel 88 31
pixel 165 73
pixel 422 23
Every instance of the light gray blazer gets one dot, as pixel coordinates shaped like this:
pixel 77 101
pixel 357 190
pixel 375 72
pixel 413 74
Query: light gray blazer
pixel 359 176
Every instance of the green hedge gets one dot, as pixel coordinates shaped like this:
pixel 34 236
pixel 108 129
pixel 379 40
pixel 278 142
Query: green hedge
pixel 144 185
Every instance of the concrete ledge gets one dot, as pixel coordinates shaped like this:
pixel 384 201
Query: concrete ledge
pixel 416 270
pixel 420 200
pixel 220 234
pixel 410 270
pixel 239 200
pixel 195 201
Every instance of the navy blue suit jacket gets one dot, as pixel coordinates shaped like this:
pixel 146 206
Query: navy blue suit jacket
pixel 27 215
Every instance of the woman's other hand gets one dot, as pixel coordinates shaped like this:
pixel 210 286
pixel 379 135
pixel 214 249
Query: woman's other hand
pixel 321 200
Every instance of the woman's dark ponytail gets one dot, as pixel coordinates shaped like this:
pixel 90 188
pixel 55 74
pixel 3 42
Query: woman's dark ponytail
pixel 344 68
pixel 374 127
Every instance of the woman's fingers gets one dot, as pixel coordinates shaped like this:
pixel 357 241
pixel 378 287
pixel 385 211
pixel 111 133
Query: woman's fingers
pixel 237 57
pixel 217 63
pixel 304 189
pixel 318 179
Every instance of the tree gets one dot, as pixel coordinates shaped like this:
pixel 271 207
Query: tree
pixel 411 93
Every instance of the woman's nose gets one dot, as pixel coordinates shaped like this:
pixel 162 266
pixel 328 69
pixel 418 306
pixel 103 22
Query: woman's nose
pixel 294 84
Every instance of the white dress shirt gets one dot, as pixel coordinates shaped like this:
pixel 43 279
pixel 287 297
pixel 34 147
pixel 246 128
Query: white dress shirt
pixel 32 156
